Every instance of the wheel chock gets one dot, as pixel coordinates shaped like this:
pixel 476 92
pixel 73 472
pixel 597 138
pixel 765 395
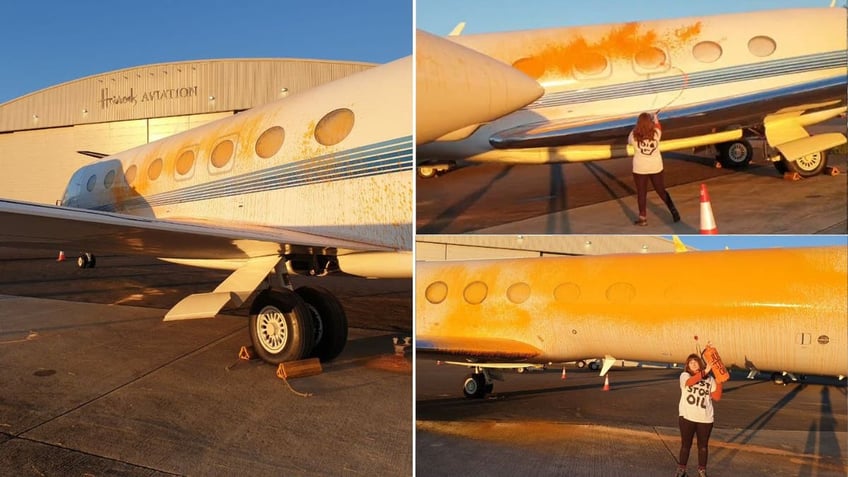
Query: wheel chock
pixel 298 369
pixel 717 165
pixel 246 353
pixel 791 176
pixel 830 171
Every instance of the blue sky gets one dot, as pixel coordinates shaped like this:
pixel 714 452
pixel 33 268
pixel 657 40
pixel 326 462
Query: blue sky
pixel 482 16
pixel 738 242
pixel 49 42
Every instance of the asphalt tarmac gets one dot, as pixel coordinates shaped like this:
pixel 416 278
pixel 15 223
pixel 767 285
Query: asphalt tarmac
pixel 599 198
pixel 539 424
pixel 95 383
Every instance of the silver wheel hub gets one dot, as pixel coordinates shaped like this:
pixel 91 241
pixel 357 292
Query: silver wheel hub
pixel 470 386
pixel 737 152
pixel 271 329
pixel 810 161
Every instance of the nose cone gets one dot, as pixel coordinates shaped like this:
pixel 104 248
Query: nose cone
pixel 458 87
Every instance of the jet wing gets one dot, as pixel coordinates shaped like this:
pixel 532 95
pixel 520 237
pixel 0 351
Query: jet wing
pixel 680 123
pixel 476 347
pixel 28 225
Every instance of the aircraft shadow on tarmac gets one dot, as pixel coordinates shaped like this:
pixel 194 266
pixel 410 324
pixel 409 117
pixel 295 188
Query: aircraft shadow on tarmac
pixel 441 221
pixel 819 435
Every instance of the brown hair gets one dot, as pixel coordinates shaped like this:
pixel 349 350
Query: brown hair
pixel 645 128
pixel 696 358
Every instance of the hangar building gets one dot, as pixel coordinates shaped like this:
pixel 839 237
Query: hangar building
pixel 42 132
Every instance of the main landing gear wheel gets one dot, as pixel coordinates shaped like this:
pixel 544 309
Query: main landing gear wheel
pixel 86 260
pixel 475 386
pixel 426 172
pixel 806 166
pixel 735 154
pixel 280 326
pixel 328 321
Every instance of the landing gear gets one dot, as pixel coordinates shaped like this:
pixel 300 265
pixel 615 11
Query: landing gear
pixel 329 322
pixel 86 260
pixel 475 386
pixel 281 326
pixel 735 154
pixel 429 171
pixel 806 166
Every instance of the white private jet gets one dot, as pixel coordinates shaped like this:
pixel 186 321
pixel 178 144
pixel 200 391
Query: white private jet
pixel 715 80
pixel 313 183
pixel 310 184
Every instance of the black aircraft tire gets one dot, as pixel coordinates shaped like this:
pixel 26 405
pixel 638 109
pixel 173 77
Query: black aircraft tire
pixel 329 322
pixel 280 326
pixel 474 386
pixel 807 166
pixel 735 154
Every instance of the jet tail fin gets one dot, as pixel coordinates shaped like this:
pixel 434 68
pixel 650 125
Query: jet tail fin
pixel 457 30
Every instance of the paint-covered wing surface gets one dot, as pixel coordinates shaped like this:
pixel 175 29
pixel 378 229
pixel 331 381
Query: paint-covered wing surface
pixel 476 347
pixel 747 110
pixel 27 225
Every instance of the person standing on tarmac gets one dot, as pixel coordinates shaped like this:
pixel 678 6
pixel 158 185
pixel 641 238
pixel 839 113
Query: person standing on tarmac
pixel 698 390
pixel 648 165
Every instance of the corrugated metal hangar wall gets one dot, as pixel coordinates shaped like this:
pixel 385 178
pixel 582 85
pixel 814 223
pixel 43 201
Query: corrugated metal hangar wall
pixel 40 133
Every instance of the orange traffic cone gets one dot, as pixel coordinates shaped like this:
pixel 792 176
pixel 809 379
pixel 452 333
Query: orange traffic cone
pixel 606 382
pixel 708 225
pixel 61 256
pixel 563 373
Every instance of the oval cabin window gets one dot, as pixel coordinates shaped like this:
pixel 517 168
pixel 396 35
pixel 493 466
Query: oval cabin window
pixel 154 169
pixel 92 181
pixel 475 293
pixel 591 64
pixel 650 58
pixel 707 51
pixel 761 46
pixel 185 163
pixel 109 179
pixel 436 292
pixel 129 176
pixel 270 142
pixel 334 127
pixel 222 153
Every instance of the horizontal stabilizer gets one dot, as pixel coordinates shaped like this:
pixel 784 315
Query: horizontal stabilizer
pixel 199 305
pixel 477 347
pixel 801 147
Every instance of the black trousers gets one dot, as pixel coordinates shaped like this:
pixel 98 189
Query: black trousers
pixel 641 180
pixel 688 429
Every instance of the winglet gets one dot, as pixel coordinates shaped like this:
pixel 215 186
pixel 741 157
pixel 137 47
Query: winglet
pixel 457 30
pixel 679 246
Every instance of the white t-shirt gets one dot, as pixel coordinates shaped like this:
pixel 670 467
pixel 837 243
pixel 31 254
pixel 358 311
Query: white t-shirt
pixel 647 158
pixel 696 405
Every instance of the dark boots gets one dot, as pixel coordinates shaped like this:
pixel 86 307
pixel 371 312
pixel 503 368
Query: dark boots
pixel 675 215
